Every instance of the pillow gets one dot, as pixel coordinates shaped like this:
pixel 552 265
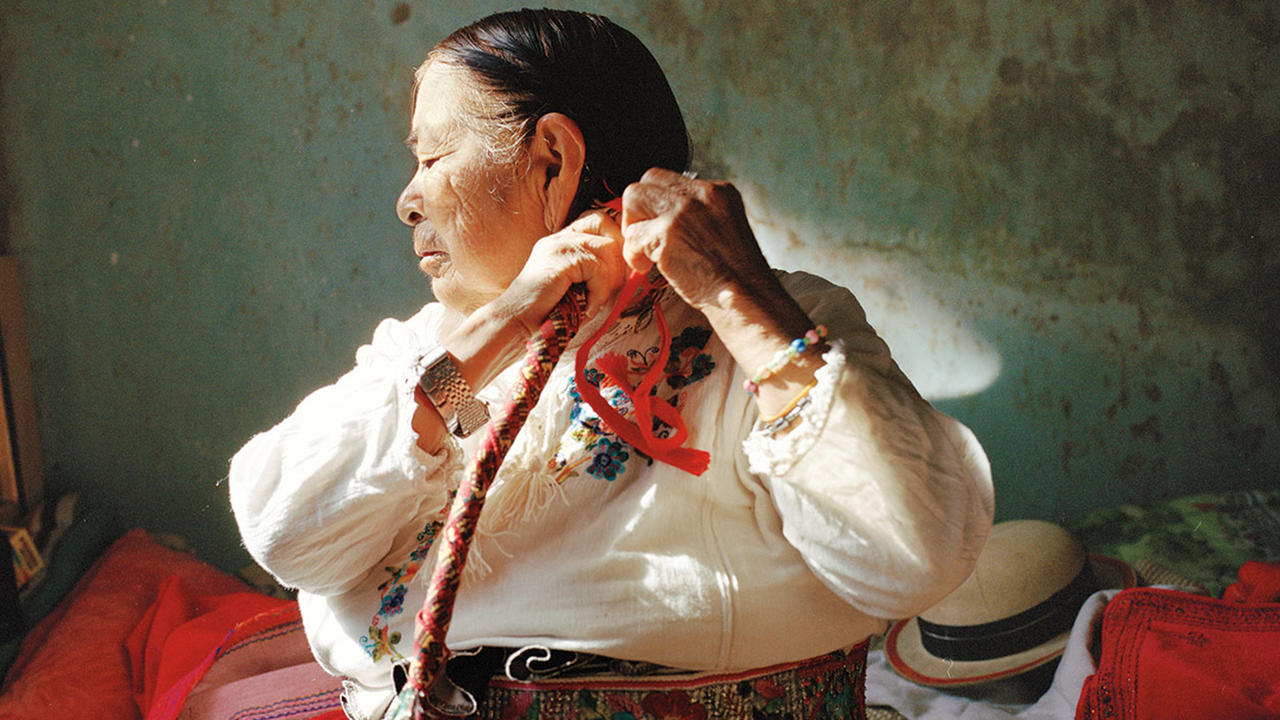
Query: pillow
pixel 73 663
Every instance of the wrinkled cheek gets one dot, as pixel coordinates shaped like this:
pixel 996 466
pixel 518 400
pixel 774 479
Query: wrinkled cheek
pixel 476 219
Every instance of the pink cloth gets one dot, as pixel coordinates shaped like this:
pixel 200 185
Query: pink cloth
pixel 241 655
pixel 156 632
pixel 180 636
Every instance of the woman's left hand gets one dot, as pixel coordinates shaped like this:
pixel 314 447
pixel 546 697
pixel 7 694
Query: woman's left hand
pixel 696 233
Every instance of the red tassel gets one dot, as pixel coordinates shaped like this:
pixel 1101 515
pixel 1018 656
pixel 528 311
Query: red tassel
pixel 639 434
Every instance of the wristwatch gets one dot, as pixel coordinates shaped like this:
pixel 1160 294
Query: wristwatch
pixel 450 394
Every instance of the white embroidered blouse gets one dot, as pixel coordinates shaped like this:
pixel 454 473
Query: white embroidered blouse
pixel 872 507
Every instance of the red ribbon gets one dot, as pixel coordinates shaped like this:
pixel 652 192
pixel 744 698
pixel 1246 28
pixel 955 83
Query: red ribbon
pixel 639 434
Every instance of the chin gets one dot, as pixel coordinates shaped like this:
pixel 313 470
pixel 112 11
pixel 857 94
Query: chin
pixel 455 298
pixel 440 290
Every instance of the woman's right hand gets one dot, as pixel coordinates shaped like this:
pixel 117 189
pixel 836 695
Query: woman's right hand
pixel 587 251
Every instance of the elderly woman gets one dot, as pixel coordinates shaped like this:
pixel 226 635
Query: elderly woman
pixel 833 498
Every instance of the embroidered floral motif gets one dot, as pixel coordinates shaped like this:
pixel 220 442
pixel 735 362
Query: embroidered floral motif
pixel 381 642
pixel 609 460
pixel 393 601
pixel 687 363
pixel 590 446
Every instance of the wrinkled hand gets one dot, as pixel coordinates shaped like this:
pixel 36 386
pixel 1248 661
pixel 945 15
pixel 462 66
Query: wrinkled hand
pixel 494 336
pixel 587 251
pixel 696 233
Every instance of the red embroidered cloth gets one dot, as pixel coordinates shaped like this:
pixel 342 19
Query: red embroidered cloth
pixel 1167 654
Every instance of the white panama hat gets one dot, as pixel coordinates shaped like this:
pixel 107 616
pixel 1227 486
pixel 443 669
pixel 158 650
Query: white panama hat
pixel 1013 613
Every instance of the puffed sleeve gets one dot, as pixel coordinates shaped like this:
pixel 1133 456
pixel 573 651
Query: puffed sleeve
pixel 320 497
pixel 888 499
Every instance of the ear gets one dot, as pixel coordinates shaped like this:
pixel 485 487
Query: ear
pixel 557 153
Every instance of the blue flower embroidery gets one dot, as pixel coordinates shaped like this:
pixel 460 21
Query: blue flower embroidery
pixel 393 601
pixel 609 460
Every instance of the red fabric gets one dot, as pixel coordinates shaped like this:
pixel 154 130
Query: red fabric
pixel 73 663
pixel 1169 654
pixel 1259 583
pixel 179 636
pixel 639 434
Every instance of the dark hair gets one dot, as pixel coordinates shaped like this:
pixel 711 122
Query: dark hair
pixel 588 68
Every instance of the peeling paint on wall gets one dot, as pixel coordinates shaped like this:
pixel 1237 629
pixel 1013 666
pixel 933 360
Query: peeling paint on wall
pixel 1093 183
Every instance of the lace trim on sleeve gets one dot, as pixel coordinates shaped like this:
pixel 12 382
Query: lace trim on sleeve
pixel 776 455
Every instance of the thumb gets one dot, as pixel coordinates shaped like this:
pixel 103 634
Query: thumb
pixel 639 246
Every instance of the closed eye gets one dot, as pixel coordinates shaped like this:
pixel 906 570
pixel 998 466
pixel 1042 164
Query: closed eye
pixel 425 163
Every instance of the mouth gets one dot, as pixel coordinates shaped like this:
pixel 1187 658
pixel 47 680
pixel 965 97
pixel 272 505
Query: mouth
pixel 423 239
pixel 430 259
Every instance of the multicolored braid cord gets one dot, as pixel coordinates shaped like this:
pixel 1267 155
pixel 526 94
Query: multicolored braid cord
pixel 544 349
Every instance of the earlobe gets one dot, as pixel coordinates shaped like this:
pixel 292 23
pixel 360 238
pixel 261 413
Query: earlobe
pixel 558 154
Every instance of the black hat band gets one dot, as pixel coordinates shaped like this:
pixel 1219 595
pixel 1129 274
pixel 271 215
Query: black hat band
pixel 1014 634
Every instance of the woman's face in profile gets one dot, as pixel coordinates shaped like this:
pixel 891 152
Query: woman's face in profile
pixel 474 222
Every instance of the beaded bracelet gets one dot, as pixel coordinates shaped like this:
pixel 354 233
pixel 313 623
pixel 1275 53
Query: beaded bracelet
pixel 812 337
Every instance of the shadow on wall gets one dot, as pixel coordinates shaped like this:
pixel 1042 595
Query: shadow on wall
pixel 924 319
pixel 1061 218
pixel 1081 398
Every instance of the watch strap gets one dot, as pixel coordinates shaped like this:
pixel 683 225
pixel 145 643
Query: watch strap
pixel 449 392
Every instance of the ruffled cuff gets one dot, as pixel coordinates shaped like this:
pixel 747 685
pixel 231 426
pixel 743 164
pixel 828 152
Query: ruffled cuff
pixel 776 454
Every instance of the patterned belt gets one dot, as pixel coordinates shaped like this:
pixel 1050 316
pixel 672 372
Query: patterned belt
pixel 577 686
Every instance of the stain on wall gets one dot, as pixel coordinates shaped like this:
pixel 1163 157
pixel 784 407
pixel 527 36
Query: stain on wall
pixel 1062 218
pixel 1088 191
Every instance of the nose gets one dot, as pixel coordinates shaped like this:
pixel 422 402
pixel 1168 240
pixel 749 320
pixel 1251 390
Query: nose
pixel 409 205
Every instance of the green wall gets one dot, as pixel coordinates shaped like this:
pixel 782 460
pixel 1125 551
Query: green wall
pixel 1062 216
